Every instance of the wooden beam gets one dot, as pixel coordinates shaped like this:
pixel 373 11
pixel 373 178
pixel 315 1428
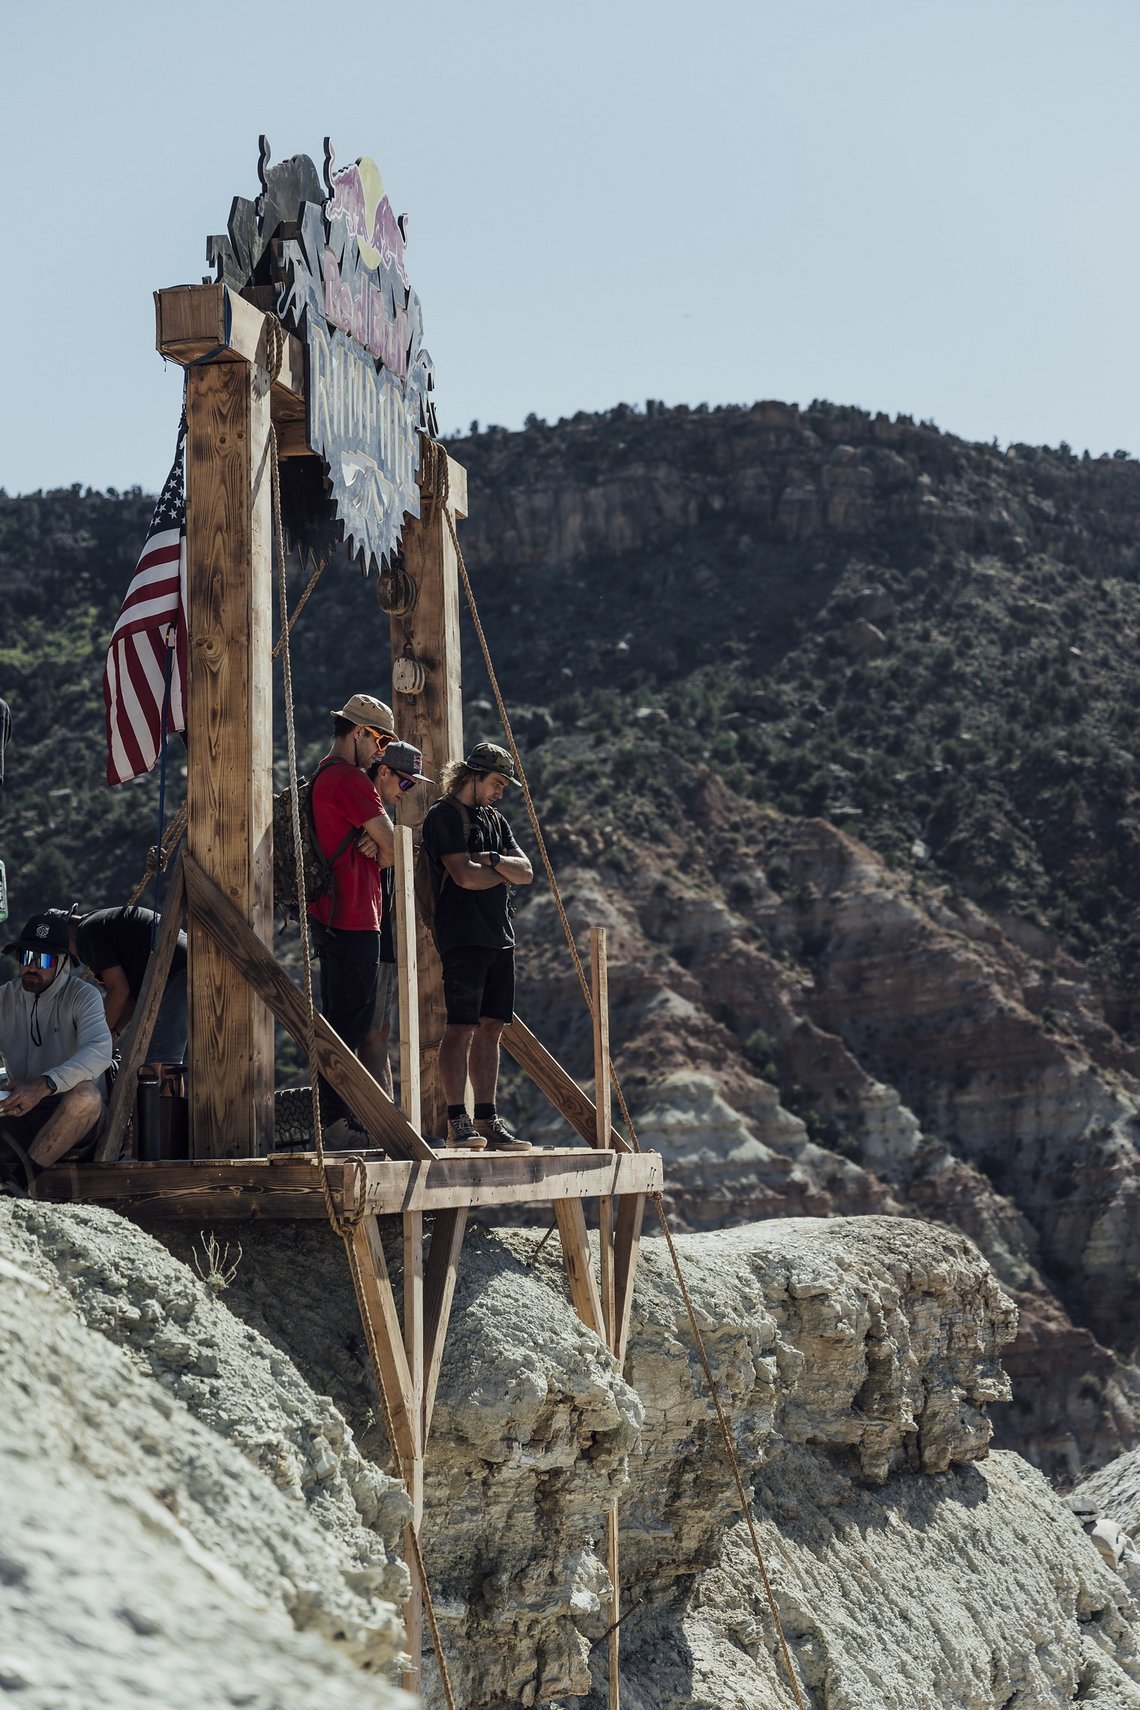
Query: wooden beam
pixel 407 978
pixel 230 744
pixel 221 922
pixel 552 1080
pixel 439 1293
pixel 146 1013
pixel 196 321
pixel 523 1178
pixel 433 721
pixel 219 1187
pixel 378 1306
pixel 579 1264
pixel 291 440
pixel 614 1565
pixel 627 1243
pixel 600 994
pixel 389 1184
pixel 412 1224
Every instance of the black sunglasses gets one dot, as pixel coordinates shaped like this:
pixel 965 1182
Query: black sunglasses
pixel 404 783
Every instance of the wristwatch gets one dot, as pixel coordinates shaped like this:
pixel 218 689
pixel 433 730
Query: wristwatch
pixel 51 1086
pixel 493 858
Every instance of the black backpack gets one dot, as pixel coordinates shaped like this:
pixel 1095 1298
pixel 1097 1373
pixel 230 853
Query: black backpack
pixel 429 875
pixel 318 867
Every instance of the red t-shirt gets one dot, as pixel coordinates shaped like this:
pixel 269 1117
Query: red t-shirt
pixel 343 799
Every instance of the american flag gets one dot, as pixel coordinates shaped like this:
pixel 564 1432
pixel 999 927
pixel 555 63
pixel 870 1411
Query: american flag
pixel 149 639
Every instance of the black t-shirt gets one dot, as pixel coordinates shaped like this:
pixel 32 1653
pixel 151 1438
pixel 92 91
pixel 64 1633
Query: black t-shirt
pixel 469 917
pixel 121 938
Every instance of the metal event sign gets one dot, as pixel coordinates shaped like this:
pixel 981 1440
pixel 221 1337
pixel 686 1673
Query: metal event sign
pixel 334 256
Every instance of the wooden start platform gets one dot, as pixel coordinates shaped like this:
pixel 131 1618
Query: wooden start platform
pixel 255 393
pixel 369 1183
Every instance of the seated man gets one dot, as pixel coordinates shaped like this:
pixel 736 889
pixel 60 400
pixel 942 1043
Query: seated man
pixel 115 943
pixel 55 1044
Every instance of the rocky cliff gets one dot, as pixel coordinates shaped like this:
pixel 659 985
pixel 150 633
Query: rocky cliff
pixel 829 717
pixel 227 1536
pixel 806 1028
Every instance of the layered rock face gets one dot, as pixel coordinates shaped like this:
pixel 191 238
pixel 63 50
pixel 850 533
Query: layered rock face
pixel 857 1360
pixel 812 1033
pixel 186 1524
pixel 190 1521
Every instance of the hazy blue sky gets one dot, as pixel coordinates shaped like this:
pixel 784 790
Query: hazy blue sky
pixel 926 206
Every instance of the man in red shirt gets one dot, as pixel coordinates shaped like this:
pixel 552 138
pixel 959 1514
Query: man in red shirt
pixel 356 834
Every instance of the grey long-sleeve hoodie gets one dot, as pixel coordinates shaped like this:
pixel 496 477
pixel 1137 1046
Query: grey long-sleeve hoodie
pixel 74 1041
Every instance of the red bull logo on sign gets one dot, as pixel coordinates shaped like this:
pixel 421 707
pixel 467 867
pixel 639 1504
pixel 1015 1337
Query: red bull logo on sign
pixel 359 200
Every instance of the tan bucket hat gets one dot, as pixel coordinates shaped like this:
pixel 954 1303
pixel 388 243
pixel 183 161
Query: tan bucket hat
pixel 366 709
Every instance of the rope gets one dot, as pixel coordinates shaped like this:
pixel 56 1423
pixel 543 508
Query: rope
pixel 436 475
pixel 341 1225
pixel 158 858
pixel 282 640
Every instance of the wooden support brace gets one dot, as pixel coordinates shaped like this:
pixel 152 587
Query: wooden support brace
pixel 432 718
pixel 613 1534
pixel 229 753
pixel 579 1265
pixel 407 976
pixel 145 1016
pixel 555 1084
pixel 627 1242
pixel 195 321
pixel 413 1233
pixel 439 1293
pixel 363 1095
pixel 600 991
pixel 378 1308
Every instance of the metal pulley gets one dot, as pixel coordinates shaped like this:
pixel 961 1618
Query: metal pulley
pixel 408 675
pixel 396 591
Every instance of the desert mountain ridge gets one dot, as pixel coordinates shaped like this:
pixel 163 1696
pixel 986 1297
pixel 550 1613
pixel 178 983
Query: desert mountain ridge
pixel 830 717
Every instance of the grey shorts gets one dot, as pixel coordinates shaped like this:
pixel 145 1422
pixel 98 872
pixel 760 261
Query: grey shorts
pixel 386 988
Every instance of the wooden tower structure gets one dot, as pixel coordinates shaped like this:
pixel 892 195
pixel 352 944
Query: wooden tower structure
pixel 249 398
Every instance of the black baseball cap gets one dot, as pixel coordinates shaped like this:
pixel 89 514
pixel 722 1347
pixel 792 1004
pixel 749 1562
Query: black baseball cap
pixel 403 758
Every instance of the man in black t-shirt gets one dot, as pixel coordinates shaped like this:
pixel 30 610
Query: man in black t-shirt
pixel 115 943
pixel 477 861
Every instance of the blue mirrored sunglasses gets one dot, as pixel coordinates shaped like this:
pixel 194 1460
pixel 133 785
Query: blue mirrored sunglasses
pixel 39 958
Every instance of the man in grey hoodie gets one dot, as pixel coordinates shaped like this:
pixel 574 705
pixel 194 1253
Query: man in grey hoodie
pixel 55 1044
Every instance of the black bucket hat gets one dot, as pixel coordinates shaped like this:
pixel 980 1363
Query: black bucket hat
pixel 47 931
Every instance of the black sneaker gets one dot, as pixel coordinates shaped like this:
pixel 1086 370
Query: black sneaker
pixel 499 1137
pixel 464 1136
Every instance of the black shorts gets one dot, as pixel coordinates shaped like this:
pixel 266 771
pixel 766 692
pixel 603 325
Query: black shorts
pixel 26 1128
pixel 478 982
pixel 350 967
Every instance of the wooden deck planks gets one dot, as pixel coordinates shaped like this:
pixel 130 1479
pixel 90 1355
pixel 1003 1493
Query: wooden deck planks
pixel 290 1187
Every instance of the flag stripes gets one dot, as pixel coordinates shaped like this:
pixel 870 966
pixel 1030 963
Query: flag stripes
pixel 148 643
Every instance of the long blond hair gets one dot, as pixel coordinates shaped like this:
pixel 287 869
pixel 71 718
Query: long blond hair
pixel 455 775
